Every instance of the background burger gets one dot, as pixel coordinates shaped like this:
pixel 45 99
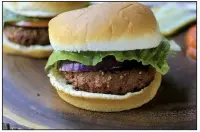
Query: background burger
pixel 25 30
pixel 108 57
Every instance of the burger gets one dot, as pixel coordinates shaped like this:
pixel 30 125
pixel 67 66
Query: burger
pixel 25 29
pixel 108 57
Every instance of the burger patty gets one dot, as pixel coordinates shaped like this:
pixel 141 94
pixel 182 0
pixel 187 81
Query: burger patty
pixel 27 36
pixel 111 82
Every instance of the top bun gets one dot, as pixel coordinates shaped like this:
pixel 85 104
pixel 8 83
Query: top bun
pixel 111 26
pixel 42 9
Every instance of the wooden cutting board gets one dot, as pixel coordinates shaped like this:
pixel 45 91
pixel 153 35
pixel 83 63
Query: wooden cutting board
pixel 30 100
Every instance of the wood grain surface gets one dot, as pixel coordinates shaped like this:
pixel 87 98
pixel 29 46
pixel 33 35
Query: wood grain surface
pixel 30 100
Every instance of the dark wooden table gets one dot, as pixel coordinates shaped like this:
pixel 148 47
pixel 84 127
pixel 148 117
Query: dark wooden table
pixel 30 100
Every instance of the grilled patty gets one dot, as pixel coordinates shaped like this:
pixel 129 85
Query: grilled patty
pixel 111 82
pixel 27 36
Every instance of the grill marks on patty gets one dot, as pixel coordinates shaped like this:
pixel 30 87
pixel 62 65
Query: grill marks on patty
pixel 27 36
pixel 112 82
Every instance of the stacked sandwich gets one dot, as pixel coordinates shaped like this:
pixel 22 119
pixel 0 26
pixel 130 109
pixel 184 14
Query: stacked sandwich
pixel 107 57
pixel 25 30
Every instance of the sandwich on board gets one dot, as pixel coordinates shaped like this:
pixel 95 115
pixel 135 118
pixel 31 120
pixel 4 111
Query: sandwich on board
pixel 25 30
pixel 107 57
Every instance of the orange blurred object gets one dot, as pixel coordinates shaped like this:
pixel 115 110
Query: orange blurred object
pixel 191 40
pixel 191 52
pixel 36 24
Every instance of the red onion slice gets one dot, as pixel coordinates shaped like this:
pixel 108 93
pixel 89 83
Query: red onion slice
pixel 108 63
pixel 76 67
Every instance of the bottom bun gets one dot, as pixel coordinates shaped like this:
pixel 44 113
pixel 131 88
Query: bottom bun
pixel 36 51
pixel 104 102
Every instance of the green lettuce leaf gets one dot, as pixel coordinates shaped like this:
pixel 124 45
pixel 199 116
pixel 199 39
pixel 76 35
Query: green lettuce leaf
pixel 154 56
pixel 9 16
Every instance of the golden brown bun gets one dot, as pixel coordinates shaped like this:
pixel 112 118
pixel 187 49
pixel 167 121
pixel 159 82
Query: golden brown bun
pixel 112 26
pixel 104 102
pixel 42 9
pixel 35 51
